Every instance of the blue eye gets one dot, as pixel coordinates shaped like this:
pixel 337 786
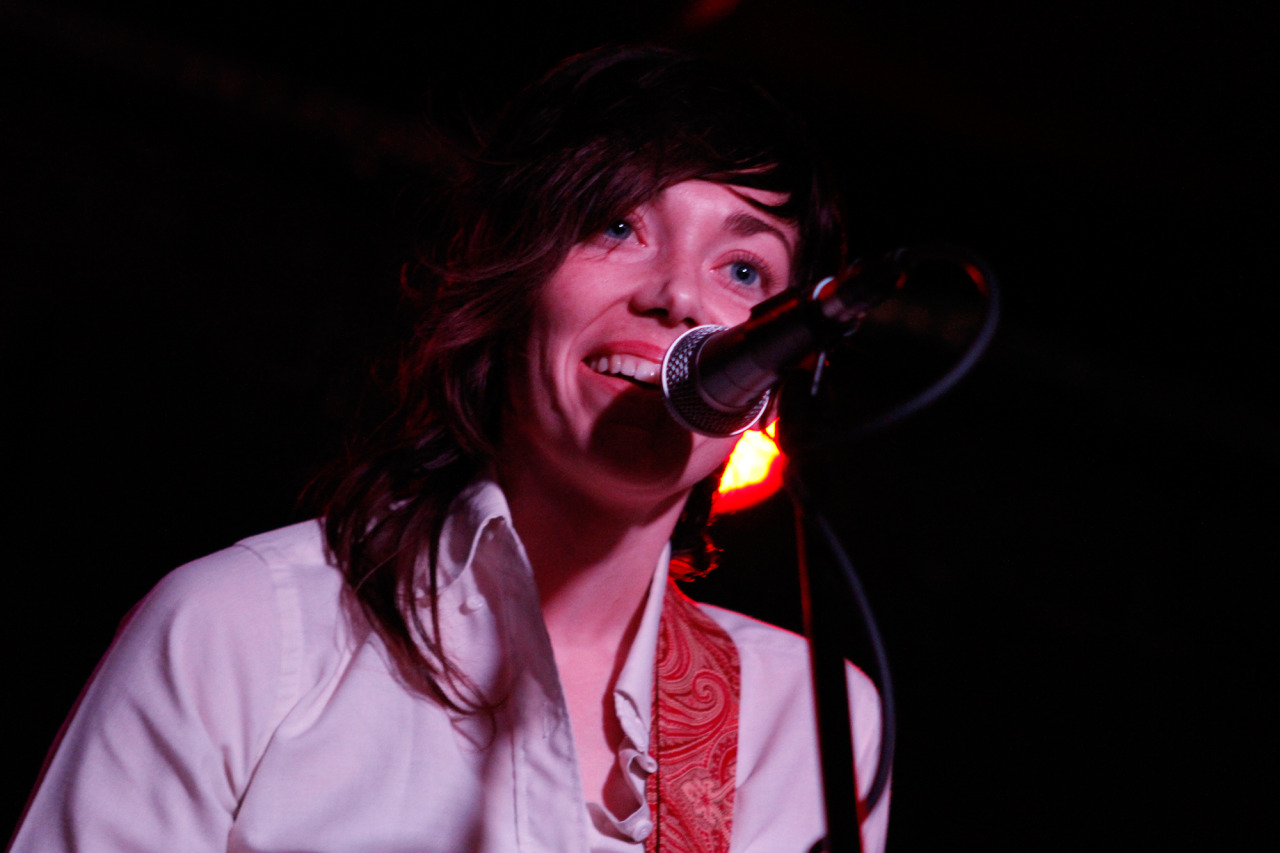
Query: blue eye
pixel 619 230
pixel 744 273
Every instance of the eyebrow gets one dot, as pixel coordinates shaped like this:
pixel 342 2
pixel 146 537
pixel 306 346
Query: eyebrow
pixel 745 224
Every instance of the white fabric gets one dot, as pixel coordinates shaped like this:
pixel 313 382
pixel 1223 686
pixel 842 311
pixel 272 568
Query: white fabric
pixel 243 708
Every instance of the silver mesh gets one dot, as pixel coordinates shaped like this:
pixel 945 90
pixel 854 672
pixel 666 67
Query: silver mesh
pixel 680 390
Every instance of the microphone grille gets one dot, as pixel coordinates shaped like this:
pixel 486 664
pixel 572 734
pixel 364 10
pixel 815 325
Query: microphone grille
pixel 684 401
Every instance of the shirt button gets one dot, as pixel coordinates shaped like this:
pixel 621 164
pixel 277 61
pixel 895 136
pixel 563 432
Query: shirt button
pixel 473 603
pixel 643 828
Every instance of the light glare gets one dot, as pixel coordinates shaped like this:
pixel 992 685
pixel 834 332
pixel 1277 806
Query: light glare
pixel 754 471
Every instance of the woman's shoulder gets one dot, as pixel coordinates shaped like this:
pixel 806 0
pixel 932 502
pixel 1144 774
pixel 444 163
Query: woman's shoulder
pixel 232 639
pixel 779 790
pixel 750 633
pixel 297 550
pixel 183 705
pixel 776 660
pixel 270 596
pixel 239 582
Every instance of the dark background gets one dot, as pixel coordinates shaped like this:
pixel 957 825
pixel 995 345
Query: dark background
pixel 204 210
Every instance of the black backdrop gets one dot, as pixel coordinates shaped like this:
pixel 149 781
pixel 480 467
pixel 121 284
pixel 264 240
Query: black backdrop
pixel 204 210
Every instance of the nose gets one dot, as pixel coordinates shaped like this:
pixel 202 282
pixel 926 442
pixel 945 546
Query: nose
pixel 671 294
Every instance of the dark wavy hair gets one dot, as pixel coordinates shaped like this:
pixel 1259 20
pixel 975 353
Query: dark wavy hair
pixel 600 134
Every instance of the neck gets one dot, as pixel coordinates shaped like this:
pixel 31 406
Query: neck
pixel 592 561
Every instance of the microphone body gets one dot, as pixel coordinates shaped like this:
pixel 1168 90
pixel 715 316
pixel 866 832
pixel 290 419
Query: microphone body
pixel 717 380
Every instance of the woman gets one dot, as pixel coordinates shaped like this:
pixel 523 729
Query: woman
pixel 477 648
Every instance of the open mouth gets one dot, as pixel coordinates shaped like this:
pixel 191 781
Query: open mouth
pixel 638 371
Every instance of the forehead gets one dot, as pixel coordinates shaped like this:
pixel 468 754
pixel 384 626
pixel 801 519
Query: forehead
pixel 741 211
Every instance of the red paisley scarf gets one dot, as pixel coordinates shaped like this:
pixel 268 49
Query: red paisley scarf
pixel 695 729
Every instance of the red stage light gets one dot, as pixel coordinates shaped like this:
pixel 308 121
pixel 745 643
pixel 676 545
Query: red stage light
pixel 754 471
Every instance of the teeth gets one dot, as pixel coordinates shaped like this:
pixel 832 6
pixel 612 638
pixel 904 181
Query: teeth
pixel 639 369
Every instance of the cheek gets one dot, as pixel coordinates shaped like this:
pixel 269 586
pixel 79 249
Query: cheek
pixel 557 327
pixel 544 389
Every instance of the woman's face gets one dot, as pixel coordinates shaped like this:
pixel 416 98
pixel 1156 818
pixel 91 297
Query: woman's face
pixel 586 404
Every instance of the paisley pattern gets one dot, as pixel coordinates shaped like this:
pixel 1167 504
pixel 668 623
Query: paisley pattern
pixel 695 727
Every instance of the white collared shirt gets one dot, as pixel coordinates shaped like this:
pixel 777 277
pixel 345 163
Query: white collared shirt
pixel 244 708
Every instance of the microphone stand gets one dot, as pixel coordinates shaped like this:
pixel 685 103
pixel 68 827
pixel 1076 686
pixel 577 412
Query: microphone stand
pixel 826 602
pixel 830 589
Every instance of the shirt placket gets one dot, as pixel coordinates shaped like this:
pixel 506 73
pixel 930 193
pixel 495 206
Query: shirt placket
pixel 550 812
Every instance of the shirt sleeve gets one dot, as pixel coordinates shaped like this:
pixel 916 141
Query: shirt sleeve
pixel 161 745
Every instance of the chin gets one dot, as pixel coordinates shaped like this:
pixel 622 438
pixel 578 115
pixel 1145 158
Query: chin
pixel 628 454
pixel 658 460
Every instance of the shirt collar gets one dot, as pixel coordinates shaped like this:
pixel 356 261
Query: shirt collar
pixel 483 503
pixel 475 507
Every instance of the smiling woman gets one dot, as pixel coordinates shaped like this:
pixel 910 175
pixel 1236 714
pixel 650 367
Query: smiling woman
pixel 478 647
pixel 697 253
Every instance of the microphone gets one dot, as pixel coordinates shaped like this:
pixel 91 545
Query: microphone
pixel 717 380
